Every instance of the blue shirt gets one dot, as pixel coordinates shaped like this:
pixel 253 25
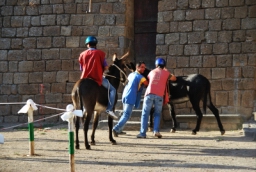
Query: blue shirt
pixel 133 88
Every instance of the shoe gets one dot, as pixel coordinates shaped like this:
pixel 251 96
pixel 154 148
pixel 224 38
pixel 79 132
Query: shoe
pixel 115 133
pixel 122 133
pixel 157 134
pixel 140 136
pixel 112 114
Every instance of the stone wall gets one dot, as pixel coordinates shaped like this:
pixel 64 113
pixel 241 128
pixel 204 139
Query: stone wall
pixel 216 38
pixel 40 44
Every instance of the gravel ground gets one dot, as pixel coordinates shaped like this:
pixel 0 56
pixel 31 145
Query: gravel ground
pixel 207 151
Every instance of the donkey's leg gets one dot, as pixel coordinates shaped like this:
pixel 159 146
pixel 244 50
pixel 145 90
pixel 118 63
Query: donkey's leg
pixel 215 111
pixel 86 127
pixel 199 115
pixel 77 126
pixel 110 127
pixel 174 120
pixel 94 127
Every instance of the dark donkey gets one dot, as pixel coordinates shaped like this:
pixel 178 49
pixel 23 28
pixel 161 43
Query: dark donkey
pixel 88 94
pixel 193 88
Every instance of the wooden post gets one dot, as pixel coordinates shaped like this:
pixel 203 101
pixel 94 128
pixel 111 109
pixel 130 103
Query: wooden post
pixel 90 6
pixel 71 145
pixel 31 132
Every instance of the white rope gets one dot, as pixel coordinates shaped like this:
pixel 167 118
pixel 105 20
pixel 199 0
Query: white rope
pixel 33 121
pixel 51 107
pixel 13 103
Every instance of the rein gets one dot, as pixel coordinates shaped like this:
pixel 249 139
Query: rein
pixel 121 79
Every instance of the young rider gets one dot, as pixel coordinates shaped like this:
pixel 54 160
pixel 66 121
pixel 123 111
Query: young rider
pixel 92 64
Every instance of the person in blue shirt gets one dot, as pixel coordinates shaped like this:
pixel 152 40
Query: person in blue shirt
pixel 131 96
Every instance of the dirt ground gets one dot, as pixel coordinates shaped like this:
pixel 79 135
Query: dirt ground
pixel 207 151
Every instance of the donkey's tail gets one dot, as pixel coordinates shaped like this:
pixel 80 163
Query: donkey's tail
pixel 207 95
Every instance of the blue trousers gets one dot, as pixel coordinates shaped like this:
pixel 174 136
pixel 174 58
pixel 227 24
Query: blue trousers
pixel 112 94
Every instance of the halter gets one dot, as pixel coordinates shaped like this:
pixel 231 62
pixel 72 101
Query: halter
pixel 121 79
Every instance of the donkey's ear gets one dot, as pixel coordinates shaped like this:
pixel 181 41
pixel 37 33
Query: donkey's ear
pixel 114 57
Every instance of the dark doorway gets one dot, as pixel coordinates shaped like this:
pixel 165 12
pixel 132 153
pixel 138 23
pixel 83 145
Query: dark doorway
pixel 145 21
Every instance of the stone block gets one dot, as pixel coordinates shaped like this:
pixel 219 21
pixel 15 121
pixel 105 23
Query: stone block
pixel 221 98
pixel 191 49
pixel 66 98
pixel 91 30
pixel 161 50
pixel 212 13
pixel 211 37
pixel 16 55
pixel 65 53
pixel 49 77
pixel 20 78
pixel 58 9
pixel 174 26
pixel 236 3
pixel 215 25
pixel 120 19
pixel 208 3
pixel 172 38
pixel 44 42
pixel 178 15
pixel 3 55
pixel 247 84
pixel 35 31
pixel 48 20
pixel 196 61
pixel 248 72
pixel 58 42
pixel 65 30
pixel 182 4
pixel 239 35
pixel 25 66
pixel 209 61
pixel 70 8
pixel 7 10
pixel 8 32
pixel 227 13
pixel 183 61
pixel 232 24
pixel 13 66
pixel 222 3
pixel 29 43
pixel 195 15
pixel 11 118
pixel 6 21
pixel 218 73
pixel 62 76
pixel 251 59
pixel 53 98
pixel 220 48
pixel 28 89
pixel 82 8
pixel 49 54
pixel 248 23
pixel 110 19
pixel 16 21
pixel 26 21
pixel 16 44
pixel 76 20
pixel 35 77
pixel 200 25
pixel 5 89
pixel 53 65
pixel 63 19
pixel 195 37
pixel 247 98
pixel 58 87
pixel 34 54
pixel 225 36
pixel 106 8
pixel 39 66
pixel 163 27
pixel 224 60
pixel 235 47
pixel 72 41
pixel 22 32
pixel 183 38
pixel 171 62
pixel 67 65
pixel 176 50
pixel 3 66
pixel 229 84
pixel 5 43
pixel 185 26
pixel 250 2
pixel 206 49
pixel 195 3
pixel 74 76
pixel 248 47
pixel 7 78
pixel 233 72
pixel 88 19
pixel 241 12
pixel 32 11
pixel 35 20
pixel 51 31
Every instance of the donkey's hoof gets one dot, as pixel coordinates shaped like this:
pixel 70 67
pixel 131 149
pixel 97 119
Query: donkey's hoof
pixel 93 143
pixel 222 132
pixel 193 132
pixel 77 147
pixel 113 142
pixel 88 147
pixel 173 130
